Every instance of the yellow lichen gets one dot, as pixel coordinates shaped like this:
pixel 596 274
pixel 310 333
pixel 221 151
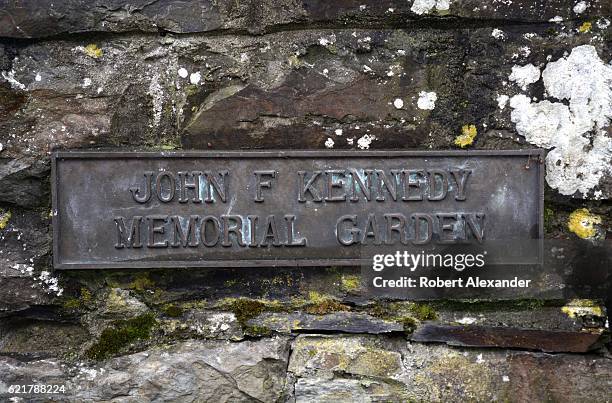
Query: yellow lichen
pixel 585 27
pixel 294 61
pixel 4 218
pixel 582 307
pixel 92 50
pixel 350 283
pixel 582 223
pixel 468 134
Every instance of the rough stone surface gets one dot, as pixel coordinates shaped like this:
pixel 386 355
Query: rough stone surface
pixel 343 322
pixel 478 336
pixel 373 369
pixel 312 74
pixel 189 372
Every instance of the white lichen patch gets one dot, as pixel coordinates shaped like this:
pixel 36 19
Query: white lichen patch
pixel 195 78
pixel 502 100
pixel 45 280
pixel 365 141
pixel 556 19
pixel 498 34
pixel 338 132
pixel 38 77
pixel 427 100
pixel 327 40
pixel 182 72
pixel 426 6
pixel 580 7
pixel 10 77
pixel 525 75
pixel 603 23
pixel 86 82
pixel 221 322
pixel 398 103
pixel 329 143
pixel 51 283
pixel 575 131
pixel 467 320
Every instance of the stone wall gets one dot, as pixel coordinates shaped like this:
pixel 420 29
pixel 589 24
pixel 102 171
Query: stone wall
pixel 312 74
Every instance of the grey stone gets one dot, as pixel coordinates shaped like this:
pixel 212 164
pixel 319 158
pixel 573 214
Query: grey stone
pixel 341 322
pixel 120 304
pixel 23 182
pixel 190 371
pixel 212 324
pixel 40 339
pixel 367 369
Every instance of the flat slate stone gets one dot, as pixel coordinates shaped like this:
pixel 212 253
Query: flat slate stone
pixel 504 337
pixel 342 322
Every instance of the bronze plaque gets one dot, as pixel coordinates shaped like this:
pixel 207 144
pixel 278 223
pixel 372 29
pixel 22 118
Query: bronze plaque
pixel 290 208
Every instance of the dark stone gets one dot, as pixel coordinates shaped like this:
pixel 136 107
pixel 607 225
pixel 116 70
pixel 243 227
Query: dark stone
pixel 43 18
pixel 506 337
pixel 40 339
pixel 23 182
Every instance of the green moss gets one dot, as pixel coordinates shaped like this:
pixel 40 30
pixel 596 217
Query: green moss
pixel 549 215
pixel 350 283
pixel 257 331
pixel 72 303
pixel 85 296
pixel 246 309
pixel 82 301
pixel 173 311
pixel 321 305
pixel 121 334
pixel 424 312
pixel 142 282
pixel 191 90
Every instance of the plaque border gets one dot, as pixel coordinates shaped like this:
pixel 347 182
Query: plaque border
pixel 337 154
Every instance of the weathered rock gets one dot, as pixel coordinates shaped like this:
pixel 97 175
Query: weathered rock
pixel 341 322
pixel 40 339
pixel 207 324
pixel 325 370
pixel 189 371
pixel 390 74
pixel 292 89
pixel 506 337
pixel 27 19
pixel 23 182
pixel 575 316
pixel 24 246
pixel 356 355
pixel 119 304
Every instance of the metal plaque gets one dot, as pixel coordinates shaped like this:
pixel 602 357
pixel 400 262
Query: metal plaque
pixel 290 208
